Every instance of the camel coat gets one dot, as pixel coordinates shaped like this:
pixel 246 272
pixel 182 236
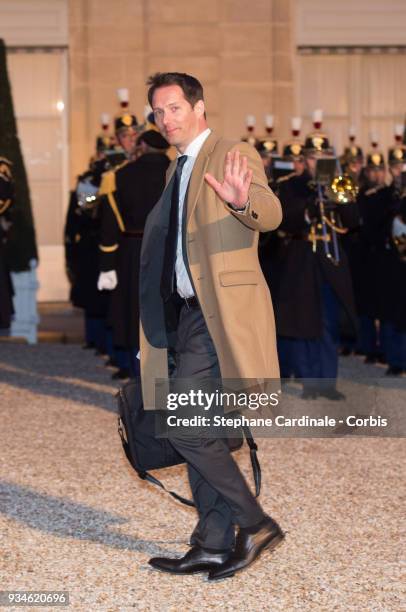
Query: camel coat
pixel 220 248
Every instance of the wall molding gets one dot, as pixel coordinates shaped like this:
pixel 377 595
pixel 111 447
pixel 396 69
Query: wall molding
pixel 34 22
pixel 349 23
pixel 352 50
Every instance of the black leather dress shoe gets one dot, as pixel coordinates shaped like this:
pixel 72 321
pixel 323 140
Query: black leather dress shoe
pixel 88 345
pixel 248 548
pixel 196 560
pixel 309 393
pixel 111 363
pixel 370 358
pixel 394 371
pixel 332 394
pixel 100 352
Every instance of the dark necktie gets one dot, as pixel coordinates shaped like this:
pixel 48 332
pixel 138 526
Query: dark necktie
pixel 168 270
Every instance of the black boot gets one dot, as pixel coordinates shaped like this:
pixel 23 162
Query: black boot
pixel 332 394
pixel 196 560
pixel 111 363
pixel 88 345
pixel 394 371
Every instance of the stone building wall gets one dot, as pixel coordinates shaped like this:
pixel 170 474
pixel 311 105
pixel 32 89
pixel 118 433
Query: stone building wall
pixel 241 51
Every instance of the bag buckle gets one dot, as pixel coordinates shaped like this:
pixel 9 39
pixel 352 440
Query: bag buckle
pixel 121 430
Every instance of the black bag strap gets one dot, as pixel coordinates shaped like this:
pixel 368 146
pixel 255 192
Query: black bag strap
pixel 256 468
pixel 147 475
pixel 256 471
pixel 153 480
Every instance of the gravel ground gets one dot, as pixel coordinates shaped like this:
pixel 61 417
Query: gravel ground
pixel 73 516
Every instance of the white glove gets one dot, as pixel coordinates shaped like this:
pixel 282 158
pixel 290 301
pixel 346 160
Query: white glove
pixel 398 227
pixel 107 280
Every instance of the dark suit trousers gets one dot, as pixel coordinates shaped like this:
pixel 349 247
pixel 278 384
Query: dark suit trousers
pixel 220 492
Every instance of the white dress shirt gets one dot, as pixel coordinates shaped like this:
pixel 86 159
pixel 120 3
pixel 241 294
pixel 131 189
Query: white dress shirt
pixel 183 283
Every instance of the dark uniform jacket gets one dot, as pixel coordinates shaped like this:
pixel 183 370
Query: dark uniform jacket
pixel 390 274
pixel 6 199
pixel 82 237
pixel 297 271
pixel 127 197
pixel 376 210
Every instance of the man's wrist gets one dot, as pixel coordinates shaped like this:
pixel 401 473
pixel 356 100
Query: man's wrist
pixel 238 208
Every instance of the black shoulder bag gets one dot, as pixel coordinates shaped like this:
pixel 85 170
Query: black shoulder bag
pixel 144 451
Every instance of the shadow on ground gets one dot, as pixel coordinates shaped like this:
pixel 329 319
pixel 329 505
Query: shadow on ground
pixel 64 518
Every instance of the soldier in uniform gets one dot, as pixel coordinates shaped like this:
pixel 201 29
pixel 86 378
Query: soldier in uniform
pixel 126 132
pixel 81 244
pixel 310 276
pixel 392 268
pixel 128 195
pixel 281 168
pixel 352 162
pixel 269 243
pixel 375 206
pixel 6 200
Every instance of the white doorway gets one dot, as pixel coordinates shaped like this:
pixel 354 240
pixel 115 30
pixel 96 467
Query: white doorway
pixel 39 81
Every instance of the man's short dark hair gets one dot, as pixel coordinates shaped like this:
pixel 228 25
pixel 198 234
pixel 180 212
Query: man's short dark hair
pixel 191 87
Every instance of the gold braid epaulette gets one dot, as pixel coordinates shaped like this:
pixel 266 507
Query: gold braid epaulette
pixel 107 188
pixel 114 207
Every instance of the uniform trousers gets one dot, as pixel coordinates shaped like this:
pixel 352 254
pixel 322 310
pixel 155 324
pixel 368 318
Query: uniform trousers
pixel 220 492
pixel 318 358
pixel 371 336
pixel 394 345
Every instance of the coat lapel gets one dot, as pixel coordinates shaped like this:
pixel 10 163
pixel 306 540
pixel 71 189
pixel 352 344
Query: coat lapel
pixel 170 171
pixel 197 177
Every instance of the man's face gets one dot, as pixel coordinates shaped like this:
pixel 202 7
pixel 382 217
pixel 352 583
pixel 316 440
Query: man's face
pixel 175 118
pixel 311 161
pixel 299 166
pixel 128 140
pixel 376 176
pixel 355 167
pixel 396 170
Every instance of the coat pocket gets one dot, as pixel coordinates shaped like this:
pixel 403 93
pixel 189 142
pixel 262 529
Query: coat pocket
pixel 238 277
